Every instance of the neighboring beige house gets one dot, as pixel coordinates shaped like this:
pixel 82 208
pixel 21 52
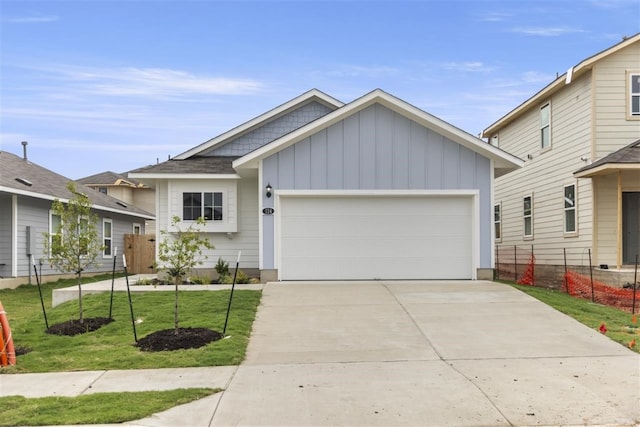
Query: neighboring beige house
pixel 127 190
pixel 579 190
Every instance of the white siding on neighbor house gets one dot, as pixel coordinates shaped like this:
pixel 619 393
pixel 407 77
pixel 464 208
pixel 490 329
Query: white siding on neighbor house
pixel 226 246
pixel 607 214
pixel 613 128
pixel 546 173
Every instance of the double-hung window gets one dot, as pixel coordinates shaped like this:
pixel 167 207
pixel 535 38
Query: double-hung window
pixel 528 216
pixel 497 221
pixel 202 204
pixel 634 95
pixel 55 233
pixel 545 126
pixel 107 237
pixel 570 214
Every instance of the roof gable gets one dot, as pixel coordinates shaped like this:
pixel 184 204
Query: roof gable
pixel 556 85
pixel 20 176
pixel 503 162
pixel 306 98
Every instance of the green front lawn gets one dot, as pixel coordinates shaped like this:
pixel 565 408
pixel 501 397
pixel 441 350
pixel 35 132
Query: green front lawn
pixel 111 347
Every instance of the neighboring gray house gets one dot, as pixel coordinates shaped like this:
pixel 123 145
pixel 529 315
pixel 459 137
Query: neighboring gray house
pixel 318 189
pixel 125 189
pixel 26 193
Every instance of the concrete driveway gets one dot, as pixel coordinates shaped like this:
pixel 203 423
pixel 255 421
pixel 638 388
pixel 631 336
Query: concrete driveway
pixel 425 354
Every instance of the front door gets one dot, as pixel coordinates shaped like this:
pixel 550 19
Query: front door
pixel 630 227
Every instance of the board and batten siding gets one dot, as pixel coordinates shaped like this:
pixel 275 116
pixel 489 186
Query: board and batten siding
pixel 377 149
pixel 545 174
pixel 226 245
pixel 613 127
pixel 5 234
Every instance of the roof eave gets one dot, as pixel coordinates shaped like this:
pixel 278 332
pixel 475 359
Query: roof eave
pixel 308 96
pixel 501 158
pixel 606 169
pixel 574 72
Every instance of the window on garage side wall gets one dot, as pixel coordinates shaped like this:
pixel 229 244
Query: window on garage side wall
pixel 527 214
pixel 570 209
pixel 497 221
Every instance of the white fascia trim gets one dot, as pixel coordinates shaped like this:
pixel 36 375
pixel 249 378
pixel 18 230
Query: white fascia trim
pixel 305 97
pixel 503 158
pixel 356 193
pixel 557 84
pixel 184 176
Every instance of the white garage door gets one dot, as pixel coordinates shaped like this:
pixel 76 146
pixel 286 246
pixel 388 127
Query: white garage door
pixel 375 237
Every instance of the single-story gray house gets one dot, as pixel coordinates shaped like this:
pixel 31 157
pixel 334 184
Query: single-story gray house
pixel 27 191
pixel 316 189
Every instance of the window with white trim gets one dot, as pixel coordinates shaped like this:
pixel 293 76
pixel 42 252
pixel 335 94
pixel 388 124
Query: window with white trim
pixel 634 94
pixel 137 228
pixel 497 221
pixel 527 215
pixel 545 126
pixel 55 238
pixel 570 212
pixel 107 237
pixel 206 205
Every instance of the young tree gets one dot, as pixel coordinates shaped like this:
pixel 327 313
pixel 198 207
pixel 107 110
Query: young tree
pixel 180 251
pixel 73 245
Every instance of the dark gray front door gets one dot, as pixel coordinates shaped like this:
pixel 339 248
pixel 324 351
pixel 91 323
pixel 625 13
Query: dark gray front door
pixel 630 227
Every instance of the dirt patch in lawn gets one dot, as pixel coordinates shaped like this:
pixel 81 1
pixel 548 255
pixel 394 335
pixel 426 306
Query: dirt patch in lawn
pixel 75 326
pixel 183 338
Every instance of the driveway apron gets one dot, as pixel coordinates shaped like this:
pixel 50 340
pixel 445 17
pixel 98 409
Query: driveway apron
pixel 429 353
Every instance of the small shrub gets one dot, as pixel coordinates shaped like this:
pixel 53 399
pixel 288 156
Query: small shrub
pixel 222 268
pixel 197 280
pixel 241 278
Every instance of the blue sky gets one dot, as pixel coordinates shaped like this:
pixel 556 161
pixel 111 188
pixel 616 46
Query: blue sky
pixel 116 85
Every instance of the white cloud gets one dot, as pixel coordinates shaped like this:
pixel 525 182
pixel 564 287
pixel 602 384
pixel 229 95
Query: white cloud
pixel 31 19
pixel 363 71
pixel 155 82
pixel 495 17
pixel 468 66
pixel 546 31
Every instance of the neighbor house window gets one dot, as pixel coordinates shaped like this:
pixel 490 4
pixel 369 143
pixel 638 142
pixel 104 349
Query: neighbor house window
pixel 107 236
pixel 634 95
pixel 545 126
pixel 570 209
pixel 497 221
pixel 137 228
pixel 528 216
pixel 102 190
pixel 55 238
pixel 206 205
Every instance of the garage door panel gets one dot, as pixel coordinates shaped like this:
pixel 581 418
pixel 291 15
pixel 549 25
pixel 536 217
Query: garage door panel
pixel 334 238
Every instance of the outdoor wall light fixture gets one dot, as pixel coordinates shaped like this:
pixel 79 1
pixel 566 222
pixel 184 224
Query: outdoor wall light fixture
pixel 268 188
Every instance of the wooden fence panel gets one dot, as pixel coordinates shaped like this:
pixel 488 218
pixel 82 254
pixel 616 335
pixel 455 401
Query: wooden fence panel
pixel 140 250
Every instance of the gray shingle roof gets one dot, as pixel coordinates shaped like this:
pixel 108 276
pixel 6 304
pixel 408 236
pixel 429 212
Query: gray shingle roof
pixel 20 176
pixel 107 178
pixel 626 155
pixel 192 165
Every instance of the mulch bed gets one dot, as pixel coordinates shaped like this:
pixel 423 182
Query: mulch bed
pixel 75 327
pixel 168 339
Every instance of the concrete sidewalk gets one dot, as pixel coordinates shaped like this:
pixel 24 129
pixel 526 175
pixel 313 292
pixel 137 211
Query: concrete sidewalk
pixel 63 295
pixel 394 354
